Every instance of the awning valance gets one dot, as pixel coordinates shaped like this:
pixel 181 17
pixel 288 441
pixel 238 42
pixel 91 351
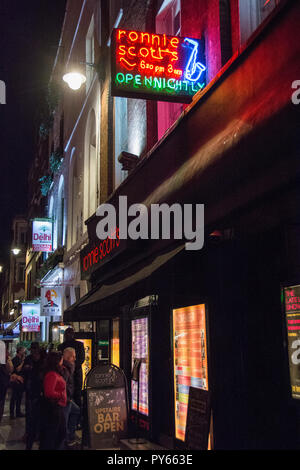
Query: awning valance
pixel 99 294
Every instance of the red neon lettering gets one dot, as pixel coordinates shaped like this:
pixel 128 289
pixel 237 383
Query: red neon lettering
pixel 133 36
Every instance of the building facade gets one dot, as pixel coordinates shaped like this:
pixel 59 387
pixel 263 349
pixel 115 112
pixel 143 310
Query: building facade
pixel 215 318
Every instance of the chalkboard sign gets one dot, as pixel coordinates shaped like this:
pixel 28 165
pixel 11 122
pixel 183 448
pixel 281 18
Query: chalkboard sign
pixel 198 419
pixel 106 405
pixel 105 375
pixel 107 415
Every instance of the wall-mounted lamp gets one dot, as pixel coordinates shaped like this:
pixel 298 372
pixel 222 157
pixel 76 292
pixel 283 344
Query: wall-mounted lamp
pixel 74 80
pixel 16 251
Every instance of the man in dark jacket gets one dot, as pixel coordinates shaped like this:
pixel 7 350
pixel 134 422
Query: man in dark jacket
pixel 72 410
pixel 17 388
pixel 70 342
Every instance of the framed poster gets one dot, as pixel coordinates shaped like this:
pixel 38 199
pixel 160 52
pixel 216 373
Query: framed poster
pixel 291 301
pixel 190 359
pixel 139 335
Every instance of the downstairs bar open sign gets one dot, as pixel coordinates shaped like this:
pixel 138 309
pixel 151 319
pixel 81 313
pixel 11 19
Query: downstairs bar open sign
pixel 157 66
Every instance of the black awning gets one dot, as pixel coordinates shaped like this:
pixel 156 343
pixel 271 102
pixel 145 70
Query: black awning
pixel 84 308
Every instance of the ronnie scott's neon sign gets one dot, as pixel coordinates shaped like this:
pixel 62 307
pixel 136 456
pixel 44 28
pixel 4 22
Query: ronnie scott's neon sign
pixel 157 66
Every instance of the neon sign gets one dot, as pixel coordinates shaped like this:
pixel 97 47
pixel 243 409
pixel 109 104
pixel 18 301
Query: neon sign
pixel 157 66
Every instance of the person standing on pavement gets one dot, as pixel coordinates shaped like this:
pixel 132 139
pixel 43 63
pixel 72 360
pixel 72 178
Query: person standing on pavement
pixel 53 425
pixel 33 374
pixel 6 368
pixel 70 342
pixel 72 410
pixel 17 388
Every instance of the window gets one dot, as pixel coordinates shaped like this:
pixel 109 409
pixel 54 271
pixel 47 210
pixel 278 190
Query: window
pixel 168 22
pixel 90 54
pixel 252 14
pixel 60 213
pixel 90 167
pixel 21 272
pixel 120 138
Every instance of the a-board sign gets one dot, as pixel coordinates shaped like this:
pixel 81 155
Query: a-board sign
pixel 107 406
pixel 198 419
pixel 107 415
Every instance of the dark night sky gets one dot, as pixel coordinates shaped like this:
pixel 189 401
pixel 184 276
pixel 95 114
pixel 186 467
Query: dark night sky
pixel 29 36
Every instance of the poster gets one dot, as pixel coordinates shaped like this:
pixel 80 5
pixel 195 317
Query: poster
pixel 51 299
pixel 190 359
pixel 31 316
pixel 139 332
pixel 87 364
pixel 292 317
pixel 115 343
pixel 42 235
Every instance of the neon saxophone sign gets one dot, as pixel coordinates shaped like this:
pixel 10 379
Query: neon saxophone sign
pixel 157 66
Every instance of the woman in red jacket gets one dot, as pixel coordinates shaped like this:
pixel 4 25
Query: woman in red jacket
pixel 53 426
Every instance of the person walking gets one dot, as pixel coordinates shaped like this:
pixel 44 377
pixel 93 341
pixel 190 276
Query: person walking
pixel 71 342
pixel 53 426
pixel 72 410
pixel 17 387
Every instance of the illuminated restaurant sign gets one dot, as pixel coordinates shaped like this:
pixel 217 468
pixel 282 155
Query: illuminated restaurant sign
pixel 157 66
pixel 292 316
pixel 31 316
pixel 42 235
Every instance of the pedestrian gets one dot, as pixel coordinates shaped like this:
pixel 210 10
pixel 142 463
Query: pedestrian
pixel 32 372
pixel 6 368
pixel 53 426
pixel 72 410
pixel 17 387
pixel 70 342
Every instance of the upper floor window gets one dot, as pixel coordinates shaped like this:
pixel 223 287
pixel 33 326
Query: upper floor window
pixel 252 14
pixel 168 22
pixel 90 54
pixel 120 137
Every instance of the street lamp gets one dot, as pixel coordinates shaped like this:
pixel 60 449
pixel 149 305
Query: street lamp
pixel 74 80
pixel 16 251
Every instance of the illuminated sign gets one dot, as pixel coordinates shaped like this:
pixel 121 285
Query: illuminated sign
pixel 92 257
pixel 157 66
pixel 31 316
pixel 190 359
pixel 51 301
pixel 42 235
pixel 292 315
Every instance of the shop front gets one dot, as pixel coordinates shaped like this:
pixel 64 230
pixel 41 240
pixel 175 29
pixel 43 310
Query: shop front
pixel 213 318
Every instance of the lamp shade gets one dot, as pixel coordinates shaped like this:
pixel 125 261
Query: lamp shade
pixel 74 80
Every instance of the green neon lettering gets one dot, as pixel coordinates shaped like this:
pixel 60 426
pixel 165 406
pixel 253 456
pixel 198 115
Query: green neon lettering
pixel 137 80
pixel 120 77
pixel 148 81
pixel 129 77
pixel 157 82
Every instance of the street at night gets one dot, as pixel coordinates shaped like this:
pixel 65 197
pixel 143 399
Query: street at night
pixel 149 228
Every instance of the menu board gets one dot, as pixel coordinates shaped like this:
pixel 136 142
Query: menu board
pixel 139 335
pixel 198 419
pixel 190 359
pixel 115 343
pixel 292 315
pixel 87 364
